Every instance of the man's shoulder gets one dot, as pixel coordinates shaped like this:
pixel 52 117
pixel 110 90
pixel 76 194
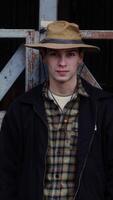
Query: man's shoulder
pixel 31 95
pixel 95 92
pixel 22 103
pixel 27 98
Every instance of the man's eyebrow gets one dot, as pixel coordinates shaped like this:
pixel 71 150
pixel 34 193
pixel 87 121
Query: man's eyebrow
pixel 72 50
pixel 51 50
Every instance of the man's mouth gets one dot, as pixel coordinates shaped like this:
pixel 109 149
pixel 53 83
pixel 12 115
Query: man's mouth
pixel 62 72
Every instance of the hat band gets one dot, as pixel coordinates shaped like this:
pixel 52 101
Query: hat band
pixel 62 41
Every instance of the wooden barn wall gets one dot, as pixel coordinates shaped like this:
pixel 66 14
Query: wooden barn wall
pixel 15 14
pixel 93 15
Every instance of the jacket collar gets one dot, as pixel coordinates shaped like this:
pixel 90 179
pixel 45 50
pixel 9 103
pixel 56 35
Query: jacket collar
pixel 35 95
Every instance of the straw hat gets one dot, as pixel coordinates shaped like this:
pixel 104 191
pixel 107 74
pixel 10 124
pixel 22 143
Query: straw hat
pixel 62 35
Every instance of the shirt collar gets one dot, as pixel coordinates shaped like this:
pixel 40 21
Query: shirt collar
pixel 79 89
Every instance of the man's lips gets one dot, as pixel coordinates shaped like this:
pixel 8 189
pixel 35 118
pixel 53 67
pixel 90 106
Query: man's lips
pixel 62 72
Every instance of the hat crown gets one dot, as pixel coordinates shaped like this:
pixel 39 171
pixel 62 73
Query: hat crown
pixel 63 30
pixel 62 35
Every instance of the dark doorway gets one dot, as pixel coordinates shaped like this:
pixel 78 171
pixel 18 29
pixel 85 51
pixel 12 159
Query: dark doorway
pixel 93 15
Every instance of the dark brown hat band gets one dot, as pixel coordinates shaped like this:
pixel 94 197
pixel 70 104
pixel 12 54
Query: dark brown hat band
pixel 61 41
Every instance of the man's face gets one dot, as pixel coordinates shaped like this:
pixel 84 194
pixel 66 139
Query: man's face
pixel 62 64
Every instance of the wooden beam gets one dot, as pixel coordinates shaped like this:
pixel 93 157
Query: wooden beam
pixel 47 10
pixel 14 33
pixel 12 70
pixel 22 33
pixel 32 61
pixel 97 34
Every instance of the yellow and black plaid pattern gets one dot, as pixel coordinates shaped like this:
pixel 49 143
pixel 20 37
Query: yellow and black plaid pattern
pixel 60 172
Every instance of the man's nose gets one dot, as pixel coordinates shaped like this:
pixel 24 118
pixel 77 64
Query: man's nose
pixel 62 60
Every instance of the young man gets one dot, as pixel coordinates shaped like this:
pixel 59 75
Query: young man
pixel 56 140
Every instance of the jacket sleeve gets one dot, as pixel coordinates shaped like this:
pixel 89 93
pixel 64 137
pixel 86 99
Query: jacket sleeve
pixel 108 149
pixel 9 156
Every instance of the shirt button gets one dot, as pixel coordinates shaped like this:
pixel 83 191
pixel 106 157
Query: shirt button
pixel 65 121
pixel 56 176
pixel 49 177
pixel 62 186
pixel 67 143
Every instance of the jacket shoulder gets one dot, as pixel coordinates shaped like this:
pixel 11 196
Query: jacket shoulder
pixel 96 93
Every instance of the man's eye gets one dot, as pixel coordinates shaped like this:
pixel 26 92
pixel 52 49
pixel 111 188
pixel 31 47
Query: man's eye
pixel 71 54
pixel 52 54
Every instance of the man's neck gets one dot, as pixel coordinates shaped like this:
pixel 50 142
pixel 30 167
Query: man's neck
pixel 63 89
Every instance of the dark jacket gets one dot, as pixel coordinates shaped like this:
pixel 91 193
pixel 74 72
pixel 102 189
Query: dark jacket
pixel 23 147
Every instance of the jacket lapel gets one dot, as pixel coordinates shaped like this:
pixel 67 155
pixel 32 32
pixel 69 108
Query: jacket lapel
pixel 39 109
pixel 35 99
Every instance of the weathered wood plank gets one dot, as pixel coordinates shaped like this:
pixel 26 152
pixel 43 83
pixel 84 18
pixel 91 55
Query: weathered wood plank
pixel 97 34
pixel 32 61
pixel 14 33
pixel 12 70
pixel 48 10
pixel 49 17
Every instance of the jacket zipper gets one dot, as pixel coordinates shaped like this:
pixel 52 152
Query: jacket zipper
pixel 86 158
pixel 84 164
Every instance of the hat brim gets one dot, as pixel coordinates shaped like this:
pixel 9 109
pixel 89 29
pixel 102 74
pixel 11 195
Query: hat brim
pixel 61 46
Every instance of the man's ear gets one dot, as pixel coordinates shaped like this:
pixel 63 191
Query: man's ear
pixel 81 57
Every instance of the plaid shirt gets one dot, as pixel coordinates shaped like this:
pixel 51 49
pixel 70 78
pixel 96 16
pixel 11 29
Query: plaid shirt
pixel 61 163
